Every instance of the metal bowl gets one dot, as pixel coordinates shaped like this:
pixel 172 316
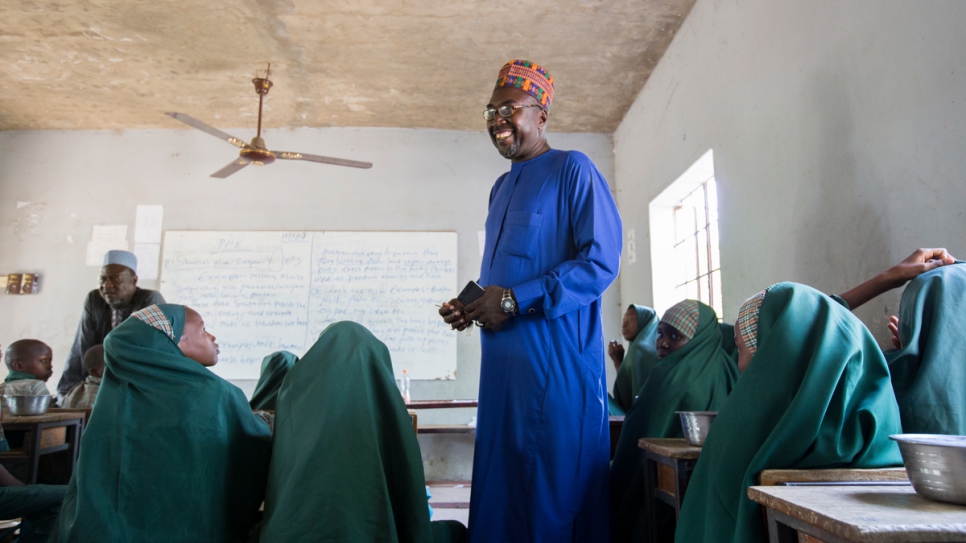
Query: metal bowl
pixel 27 405
pixel 936 465
pixel 696 425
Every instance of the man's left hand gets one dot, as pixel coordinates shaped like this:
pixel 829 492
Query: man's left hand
pixel 486 311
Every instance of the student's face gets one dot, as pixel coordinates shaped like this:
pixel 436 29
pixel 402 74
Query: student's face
pixel 196 343
pixel 118 284
pixel 521 136
pixel 744 354
pixel 668 340
pixel 38 363
pixel 629 325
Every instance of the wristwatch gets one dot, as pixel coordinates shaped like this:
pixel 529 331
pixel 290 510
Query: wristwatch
pixel 508 304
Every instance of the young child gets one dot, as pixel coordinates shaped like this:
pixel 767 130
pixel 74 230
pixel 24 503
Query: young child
pixel 30 364
pixel 84 393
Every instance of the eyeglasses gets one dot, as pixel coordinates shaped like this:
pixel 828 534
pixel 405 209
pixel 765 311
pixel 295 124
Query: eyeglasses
pixel 506 111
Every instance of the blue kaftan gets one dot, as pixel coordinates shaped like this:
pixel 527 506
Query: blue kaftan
pixel 540 467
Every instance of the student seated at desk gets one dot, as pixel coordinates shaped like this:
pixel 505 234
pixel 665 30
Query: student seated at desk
pixel 29 362
pixel 929 364
pixel 172 452
pixel 274 368
pixel 345 461
pixel 695 372
pixel 815 392
pixel 84 393
pixel 639 327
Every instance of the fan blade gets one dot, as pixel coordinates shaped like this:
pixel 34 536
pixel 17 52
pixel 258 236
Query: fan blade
pixel 191 121
pixel 236 165
pixel 324 159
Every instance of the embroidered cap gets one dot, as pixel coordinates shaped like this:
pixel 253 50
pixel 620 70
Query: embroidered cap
pixel 123 258
pixel 684 317
pixel 531 78
pixel 153 316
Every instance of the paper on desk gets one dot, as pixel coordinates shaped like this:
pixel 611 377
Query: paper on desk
pixel 148 255
pixel 147 224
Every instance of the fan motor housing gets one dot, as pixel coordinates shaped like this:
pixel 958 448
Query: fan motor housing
pixel 257 155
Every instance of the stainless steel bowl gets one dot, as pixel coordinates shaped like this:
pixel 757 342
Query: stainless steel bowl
pixel 696 425
pixel 936 465
pixel 27 405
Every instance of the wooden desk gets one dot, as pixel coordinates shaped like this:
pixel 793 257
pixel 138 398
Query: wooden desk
pixel 440 404
pixel 858 514
pixel 33 437
pixel 668 464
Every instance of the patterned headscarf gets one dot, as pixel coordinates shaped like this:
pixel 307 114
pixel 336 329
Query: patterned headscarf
pixel 684 317
pixel 748 319
pixel 154 317
pixel 531 78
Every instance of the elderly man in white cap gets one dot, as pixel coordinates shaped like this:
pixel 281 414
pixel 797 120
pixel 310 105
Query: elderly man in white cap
pixel 105 308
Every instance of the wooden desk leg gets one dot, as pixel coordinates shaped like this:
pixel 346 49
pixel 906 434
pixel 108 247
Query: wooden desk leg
pixel 650 497
pixel 34 454
pixel 682 474
pixel 778 532
pixel 75 437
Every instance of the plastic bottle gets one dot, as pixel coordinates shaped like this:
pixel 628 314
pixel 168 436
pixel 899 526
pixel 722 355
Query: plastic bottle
pixel 405 386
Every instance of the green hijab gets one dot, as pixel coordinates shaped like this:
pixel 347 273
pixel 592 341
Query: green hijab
pixel 274 368
pixel 346 464
pixel 816 394
pixel 639 359
pixel 929 371
pixel 696 377
pixel 172 451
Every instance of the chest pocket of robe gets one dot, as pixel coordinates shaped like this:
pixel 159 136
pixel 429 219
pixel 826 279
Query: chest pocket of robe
pixel 521 233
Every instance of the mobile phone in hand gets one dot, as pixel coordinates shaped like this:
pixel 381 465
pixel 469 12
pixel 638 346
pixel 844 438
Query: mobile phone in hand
pixel 470 294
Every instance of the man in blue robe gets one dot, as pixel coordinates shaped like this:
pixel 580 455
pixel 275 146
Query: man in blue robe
pixel 553 244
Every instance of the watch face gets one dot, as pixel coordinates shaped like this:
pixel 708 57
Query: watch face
pixel 507 305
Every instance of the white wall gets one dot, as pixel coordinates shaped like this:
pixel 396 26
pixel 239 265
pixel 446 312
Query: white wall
pixel 422 180
pixel 838 130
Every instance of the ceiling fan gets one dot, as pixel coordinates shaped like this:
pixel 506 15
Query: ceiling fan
pixel 255 153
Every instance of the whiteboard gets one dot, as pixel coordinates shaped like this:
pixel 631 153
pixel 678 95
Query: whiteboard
pixel 261 292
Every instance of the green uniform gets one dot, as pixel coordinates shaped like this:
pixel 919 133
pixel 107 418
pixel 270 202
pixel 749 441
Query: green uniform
pixel 172 452
pixel 638 361
pixel 345 464
pixel 696 377
pixel 36 505
pixel 274 368
pixel 816 394
pixel 929 371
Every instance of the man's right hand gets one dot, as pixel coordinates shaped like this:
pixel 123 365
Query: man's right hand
pixel 452 313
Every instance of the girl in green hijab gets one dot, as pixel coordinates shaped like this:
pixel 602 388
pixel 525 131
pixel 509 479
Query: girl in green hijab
pixel 929 367
pixel 814 393
pixel 346 465
pixel 695 373
pixel 172 451
pixel 274 368
pixel 639 327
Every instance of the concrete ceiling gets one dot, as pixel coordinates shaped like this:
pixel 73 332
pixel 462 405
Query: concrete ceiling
pixel 111 64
